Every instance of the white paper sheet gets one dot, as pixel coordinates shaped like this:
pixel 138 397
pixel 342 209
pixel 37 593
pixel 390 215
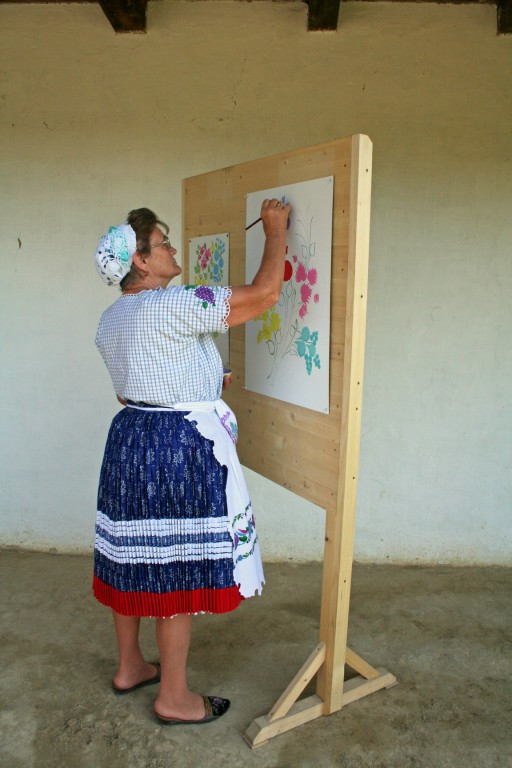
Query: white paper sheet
pixel 287 347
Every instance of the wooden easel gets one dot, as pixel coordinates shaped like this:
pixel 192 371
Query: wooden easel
pixel 315 455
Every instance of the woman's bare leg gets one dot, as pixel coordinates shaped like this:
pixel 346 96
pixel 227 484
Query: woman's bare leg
pixel 175 699
pixel 132 667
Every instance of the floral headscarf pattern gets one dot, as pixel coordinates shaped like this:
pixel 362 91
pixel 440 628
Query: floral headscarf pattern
pixel 114 253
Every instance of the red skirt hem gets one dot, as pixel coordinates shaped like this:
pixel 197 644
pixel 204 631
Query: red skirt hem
pixel 168 603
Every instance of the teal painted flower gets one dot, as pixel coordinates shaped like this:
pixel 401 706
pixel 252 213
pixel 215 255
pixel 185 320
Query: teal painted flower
pixel 306 348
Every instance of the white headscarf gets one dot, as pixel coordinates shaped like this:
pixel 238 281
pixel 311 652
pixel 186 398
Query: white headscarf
pixel 115 252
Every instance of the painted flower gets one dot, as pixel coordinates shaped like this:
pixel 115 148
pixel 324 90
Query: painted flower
pixel 271 323
pixel 267 331
pixel 316 298
pixel 301 274
pixel 312 276
pixel 275 321
pixel 303 310
pixel 204 256
pixel 288 271
pixel 305 293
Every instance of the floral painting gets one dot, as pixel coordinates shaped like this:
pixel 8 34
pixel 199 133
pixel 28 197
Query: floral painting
pixel 209 265
pixel 287 346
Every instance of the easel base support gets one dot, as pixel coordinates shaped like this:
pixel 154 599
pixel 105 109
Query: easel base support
pixel 262 728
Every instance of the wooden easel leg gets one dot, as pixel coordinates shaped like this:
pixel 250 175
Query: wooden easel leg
pixel 299 682
pixel 368 681
pixel 359 686
pixel 330 656
pixel 261 730
pixel 288 713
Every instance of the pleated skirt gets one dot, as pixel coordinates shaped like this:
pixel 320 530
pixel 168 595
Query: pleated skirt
pixel 162 544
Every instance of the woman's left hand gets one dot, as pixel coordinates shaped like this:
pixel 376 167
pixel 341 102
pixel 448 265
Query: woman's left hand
pixel 226 379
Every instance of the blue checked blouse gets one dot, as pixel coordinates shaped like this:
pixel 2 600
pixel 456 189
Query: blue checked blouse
pixel 158 345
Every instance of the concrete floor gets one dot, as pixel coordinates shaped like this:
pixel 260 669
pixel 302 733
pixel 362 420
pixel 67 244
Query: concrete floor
pixel 444 632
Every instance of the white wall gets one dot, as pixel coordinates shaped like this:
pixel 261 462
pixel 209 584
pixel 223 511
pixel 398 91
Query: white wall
pixel 94 124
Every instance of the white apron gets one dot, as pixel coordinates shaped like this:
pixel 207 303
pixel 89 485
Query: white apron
pixel 216 422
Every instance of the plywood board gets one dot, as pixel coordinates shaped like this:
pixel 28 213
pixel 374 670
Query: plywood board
pixel 295 447
pixel 314 454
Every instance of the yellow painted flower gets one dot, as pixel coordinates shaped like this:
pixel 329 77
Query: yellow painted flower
pixel 275 321
pixel 267 331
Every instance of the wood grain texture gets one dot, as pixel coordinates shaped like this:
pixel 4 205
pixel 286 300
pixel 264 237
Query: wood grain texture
pixel 261 729
pixel 312 454
pixel 292 446
pixel 297 685
pixel 340 522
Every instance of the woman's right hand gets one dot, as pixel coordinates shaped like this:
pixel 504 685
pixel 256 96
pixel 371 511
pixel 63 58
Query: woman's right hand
pixel 274 215
pixel 249 301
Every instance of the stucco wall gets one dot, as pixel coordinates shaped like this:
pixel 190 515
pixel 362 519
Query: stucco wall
pixel 94 124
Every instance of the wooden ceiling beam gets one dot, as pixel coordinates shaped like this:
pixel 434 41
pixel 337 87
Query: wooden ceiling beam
pixel 130 15
pixel 126 15
pixel 323 14
pixel 504 17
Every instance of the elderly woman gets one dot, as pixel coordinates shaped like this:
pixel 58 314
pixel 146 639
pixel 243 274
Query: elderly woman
pixel 175 533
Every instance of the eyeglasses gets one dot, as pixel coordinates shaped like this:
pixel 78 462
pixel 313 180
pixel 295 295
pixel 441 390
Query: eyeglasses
pixel 165 242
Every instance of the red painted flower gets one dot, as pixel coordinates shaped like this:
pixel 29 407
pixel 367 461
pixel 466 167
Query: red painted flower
pixel 204 256
pixel 312 276
pixel 288 271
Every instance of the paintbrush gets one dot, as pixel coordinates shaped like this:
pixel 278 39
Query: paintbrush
pixel 252 225
pixel 255 222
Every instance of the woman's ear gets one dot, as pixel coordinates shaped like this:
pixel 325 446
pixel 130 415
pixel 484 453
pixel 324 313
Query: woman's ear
pixel 140 262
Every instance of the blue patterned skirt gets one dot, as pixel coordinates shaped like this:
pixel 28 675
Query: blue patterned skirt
pixel 162 542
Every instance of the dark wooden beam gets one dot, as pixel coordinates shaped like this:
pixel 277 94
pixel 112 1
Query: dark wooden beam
pixel 504 17
pixel 126 15
pixel 130 15
pixel 323 14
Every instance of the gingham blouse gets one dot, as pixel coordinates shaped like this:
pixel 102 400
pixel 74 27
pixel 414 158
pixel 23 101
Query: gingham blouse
pixel 158 345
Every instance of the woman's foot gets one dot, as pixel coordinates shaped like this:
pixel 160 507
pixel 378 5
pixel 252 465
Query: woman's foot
pixel 136 677
pixel 189 706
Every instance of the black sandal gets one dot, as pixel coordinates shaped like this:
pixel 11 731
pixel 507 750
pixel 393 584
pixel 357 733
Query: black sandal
pixel 214 707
